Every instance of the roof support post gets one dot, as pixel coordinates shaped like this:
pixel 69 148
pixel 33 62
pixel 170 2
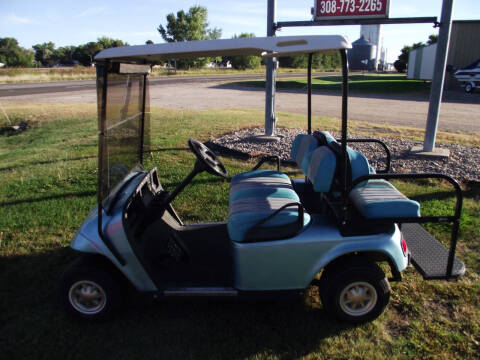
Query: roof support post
pixel 344 163
pixel 309 93
pixel 270 119
pixel 438 76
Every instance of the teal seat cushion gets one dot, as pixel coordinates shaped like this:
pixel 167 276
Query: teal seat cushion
pixel 260 182
pixel 264 192
pixel 378 199
pixel 259 173
pixel 245 213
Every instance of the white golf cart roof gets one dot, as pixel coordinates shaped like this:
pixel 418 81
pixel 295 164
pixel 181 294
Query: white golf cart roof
pixel 260 46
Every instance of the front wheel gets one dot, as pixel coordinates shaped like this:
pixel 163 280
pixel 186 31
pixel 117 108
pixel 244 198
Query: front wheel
pixel 89 293
pixel 355 293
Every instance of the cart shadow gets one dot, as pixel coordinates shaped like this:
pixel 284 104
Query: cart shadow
pixel 470 190
pixel 31 322
pixel 80 194
pixel 80 158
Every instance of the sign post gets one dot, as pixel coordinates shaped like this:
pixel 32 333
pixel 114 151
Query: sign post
pixel 438 78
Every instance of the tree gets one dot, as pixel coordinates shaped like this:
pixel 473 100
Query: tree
pixel 149 42
pixel 401 64
pixel 319 61
pixel 11 54
pixel 189 26
pixel 243 62
pixel 84 54
pixel 106 42
pixel 44 53
pixel 432 39
pixel 65 55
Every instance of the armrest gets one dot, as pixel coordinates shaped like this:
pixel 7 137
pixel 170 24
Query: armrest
pixel 381 143
pixel 268 158
pixel 252 235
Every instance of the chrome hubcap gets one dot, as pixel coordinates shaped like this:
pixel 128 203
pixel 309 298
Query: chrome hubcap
pixel 358 298
pixel 87 297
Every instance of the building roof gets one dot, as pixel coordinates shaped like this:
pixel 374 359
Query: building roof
pixel 260 46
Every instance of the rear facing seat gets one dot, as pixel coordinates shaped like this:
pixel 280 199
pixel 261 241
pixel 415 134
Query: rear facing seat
pixel 379 200
pixel 374 199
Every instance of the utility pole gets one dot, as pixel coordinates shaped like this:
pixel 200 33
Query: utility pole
pixel 270 120
pixel 438 76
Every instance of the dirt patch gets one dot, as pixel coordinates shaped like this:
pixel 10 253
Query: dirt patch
pixel 14 129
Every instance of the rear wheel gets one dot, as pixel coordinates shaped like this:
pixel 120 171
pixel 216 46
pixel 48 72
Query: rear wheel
pixel 89 293
pixel 355 293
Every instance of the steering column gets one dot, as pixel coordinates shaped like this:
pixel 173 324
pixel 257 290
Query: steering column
pixel 206 161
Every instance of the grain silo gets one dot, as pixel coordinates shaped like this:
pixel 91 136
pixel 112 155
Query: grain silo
pixel 362 55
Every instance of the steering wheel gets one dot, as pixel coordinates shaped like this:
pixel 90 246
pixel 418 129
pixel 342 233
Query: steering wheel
pixel 207 158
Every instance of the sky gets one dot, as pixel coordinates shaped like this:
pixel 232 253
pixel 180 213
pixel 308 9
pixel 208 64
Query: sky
pixel 73 23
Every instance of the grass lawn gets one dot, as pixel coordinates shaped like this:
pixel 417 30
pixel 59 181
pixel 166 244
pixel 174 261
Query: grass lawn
pixel 368 83
pixel 48 185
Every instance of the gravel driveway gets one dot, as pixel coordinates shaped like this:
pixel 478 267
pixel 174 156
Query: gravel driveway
pixel 461 165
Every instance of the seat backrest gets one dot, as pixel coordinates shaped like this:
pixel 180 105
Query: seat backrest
pixel 321 171
pixel 357 163
pixel 302 149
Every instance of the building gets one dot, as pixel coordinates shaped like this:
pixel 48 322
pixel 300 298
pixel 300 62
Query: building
pixel 464 50
pixel 421 62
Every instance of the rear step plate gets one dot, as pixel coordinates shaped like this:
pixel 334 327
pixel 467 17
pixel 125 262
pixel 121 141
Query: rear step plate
pixel 429 256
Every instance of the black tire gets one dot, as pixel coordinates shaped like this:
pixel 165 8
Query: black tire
pixel 89 293
pixel 355 292
pixel 469 88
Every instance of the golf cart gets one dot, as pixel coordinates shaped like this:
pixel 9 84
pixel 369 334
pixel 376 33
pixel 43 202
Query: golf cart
pixel 330 229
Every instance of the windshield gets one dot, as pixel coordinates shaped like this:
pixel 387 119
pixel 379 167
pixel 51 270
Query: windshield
pixel 123 127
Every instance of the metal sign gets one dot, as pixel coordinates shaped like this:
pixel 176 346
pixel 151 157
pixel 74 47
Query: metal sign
pixel 350 9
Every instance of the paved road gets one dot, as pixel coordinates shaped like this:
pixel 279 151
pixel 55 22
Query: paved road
pixel 460 113
pixel 78 85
